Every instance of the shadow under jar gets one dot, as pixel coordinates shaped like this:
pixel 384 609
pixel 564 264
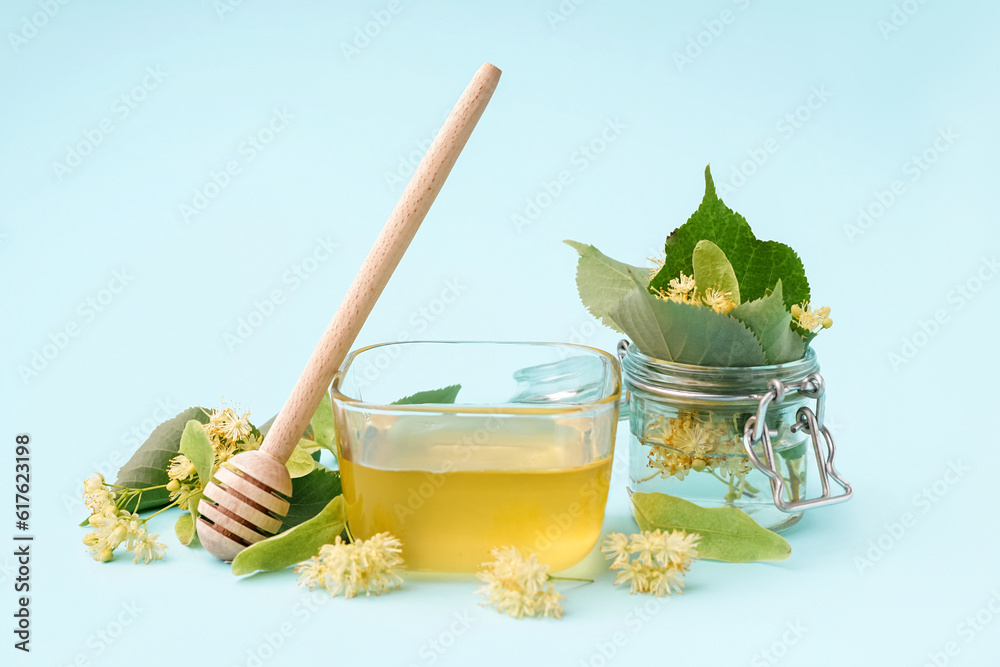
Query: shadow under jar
pixel 693 429
pixel 521 457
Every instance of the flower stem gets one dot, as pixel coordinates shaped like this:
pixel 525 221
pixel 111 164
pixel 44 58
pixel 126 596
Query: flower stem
pixel 554 578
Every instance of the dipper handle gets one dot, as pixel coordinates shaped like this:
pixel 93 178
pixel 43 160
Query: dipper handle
pixel 382 259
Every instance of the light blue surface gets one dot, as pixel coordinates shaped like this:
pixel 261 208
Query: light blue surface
pixel 608 68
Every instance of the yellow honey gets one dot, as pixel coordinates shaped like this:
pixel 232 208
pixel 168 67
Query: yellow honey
pixel 452 493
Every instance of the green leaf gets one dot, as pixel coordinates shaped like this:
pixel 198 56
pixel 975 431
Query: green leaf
pixel 713 271
pixel 757 264
pixel 193 501
pixel 295 545
pixel 301 462
pixel 310 494
pixel 792 453
pixel 685 333
pixel 148 466
pixel 323 429
pixel 771 323
pixel 727 534
pixel 444 395
pixel 602 282
pixel 185 528
pixel 196 446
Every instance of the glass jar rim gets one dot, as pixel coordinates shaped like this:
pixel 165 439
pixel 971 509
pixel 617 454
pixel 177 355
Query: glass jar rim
pixel 609 399
pixel 659 376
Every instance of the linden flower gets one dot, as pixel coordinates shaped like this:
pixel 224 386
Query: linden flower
pixel 113 527
pixel 515 585
pixel 225 451
pixel 236 428
pixel 616 546
pixel 96 495
pixel 180 469
pixel 680 290
pixel 217 421
pixel 719 301
pixel 146 548
pixel 250 442
pixel 653 562
pixel 693 437
pixel 811 320
pixel 350 568
pixel 657 263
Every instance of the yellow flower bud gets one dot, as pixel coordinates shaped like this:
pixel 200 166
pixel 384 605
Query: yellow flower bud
pixel 827 323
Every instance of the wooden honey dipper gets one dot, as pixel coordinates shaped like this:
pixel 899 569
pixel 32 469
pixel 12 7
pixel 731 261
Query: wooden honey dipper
pixel 248 502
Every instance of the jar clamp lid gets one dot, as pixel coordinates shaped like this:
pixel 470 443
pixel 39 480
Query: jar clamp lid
pixel 756 433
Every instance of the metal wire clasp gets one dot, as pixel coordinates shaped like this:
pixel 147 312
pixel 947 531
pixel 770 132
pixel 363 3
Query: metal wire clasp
pixel 756 432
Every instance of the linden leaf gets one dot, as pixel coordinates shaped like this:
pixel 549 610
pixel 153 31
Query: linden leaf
pixel 771 323
pixel 192 503
pixel 685 333
pixel 294 545
pixel 148 466
pixel 323 429
pixel 185 528
pixel 727 533
pixel 310 494
pixel 301 462
pixel 196 446
pixel 757 264
pixel 443 395
pixel 602 282
pixel 712 270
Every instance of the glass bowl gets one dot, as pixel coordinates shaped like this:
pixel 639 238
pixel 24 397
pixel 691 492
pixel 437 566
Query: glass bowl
pixel 520 455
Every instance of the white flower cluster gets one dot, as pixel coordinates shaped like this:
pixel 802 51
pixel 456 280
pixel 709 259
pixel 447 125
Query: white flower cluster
pixel 113 527
pixel 344 568
pixel 652 562
pixel 515 585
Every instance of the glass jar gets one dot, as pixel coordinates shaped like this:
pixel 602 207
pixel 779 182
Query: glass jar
pixel 518 453
pixel 694 428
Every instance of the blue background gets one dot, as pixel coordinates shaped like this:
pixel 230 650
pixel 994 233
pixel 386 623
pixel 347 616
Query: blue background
pixel 886 93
